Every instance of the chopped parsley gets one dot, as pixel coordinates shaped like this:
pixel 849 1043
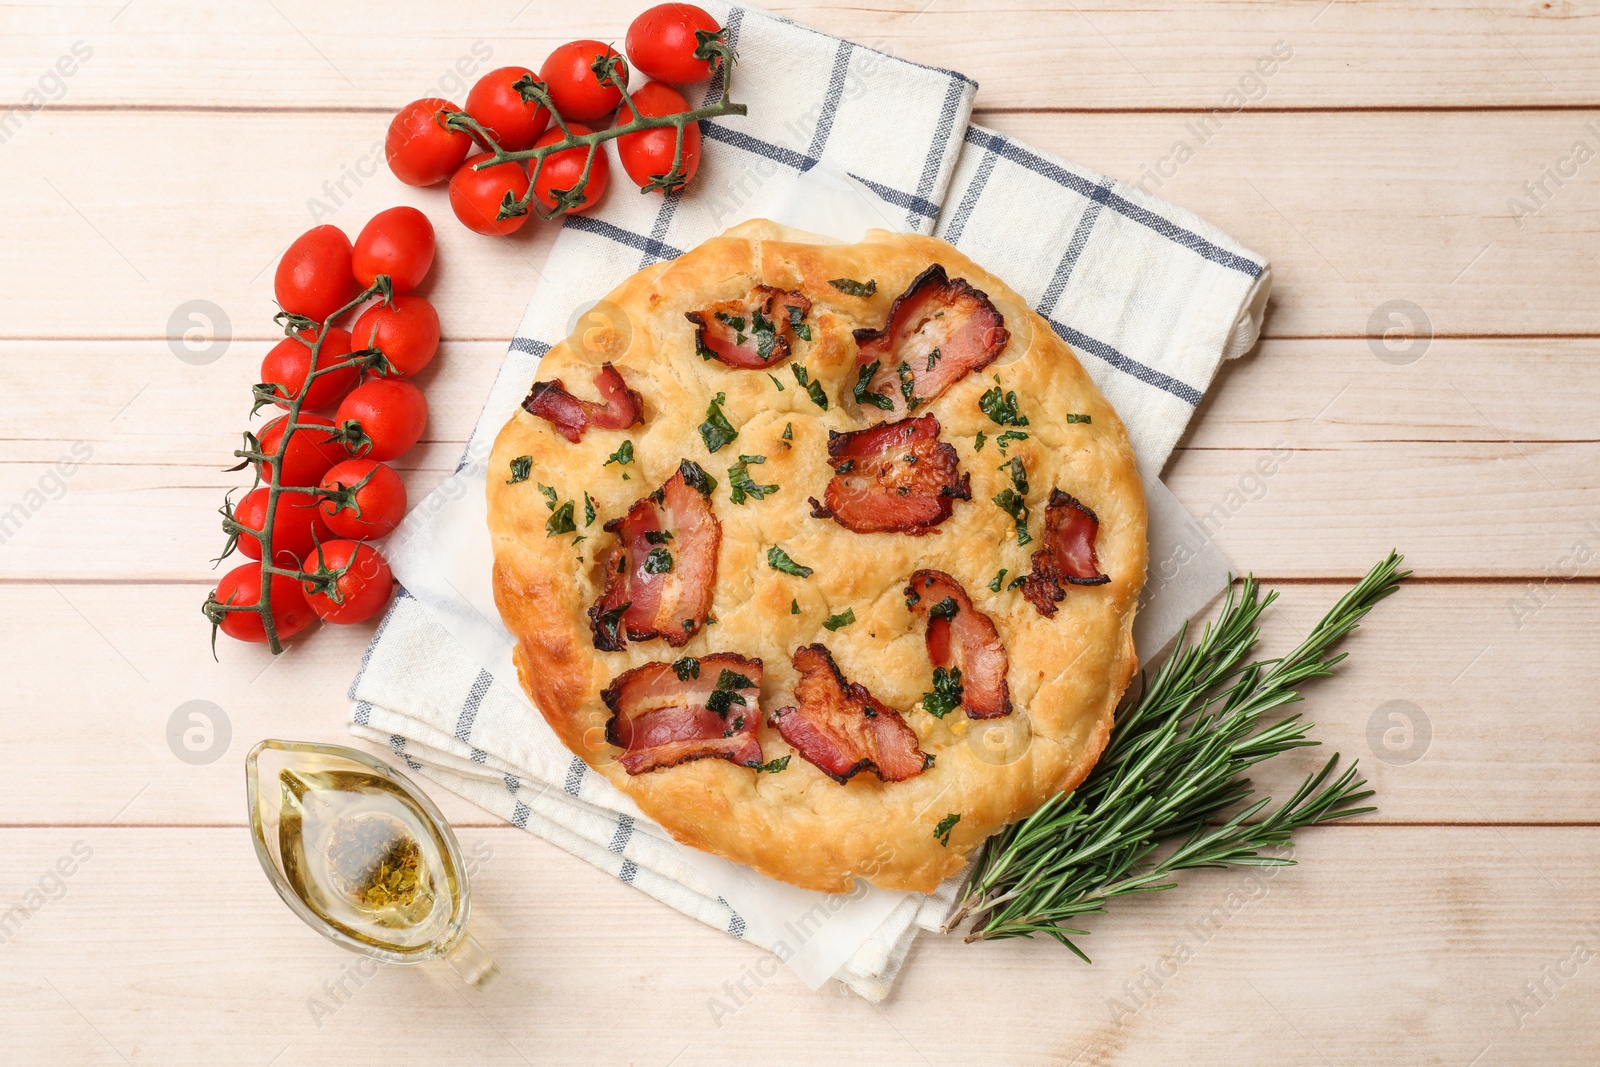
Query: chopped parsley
pixel 775 381
pixel 1073 418
pixel 521 467
pixel 934 357
pixel 794 607
pixel 788 431
pixel 560 521
pixel 696 478
pixel 779 560
pixel 621 457
pixel 771 766
pixel 766 334
pixel 865 396
pixel 908 383
pixel 851 287
pixel 1007 437
pixel 944 609
pixel 844 618
pixel 735 323
pixel 686 668
pixel 994 586
pixel 740 484
pixel 797 323
pixel 658 537
pixel 1012 502
pixel 978 442
pixel 1001 407
pixel 1017 581
pixel 716 430
pixel 723 697
pixel 812 387
pixel 946 695
pixel 550 496
pixel 609 621
pixel 946 824
pixel 658 561
pixel 588 510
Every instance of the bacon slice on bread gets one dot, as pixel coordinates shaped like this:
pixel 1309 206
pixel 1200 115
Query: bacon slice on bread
pixel 664 714
pixel 619 407
pixel 962 638
pixel 841 728
pixel 896 477
pixel 1070 530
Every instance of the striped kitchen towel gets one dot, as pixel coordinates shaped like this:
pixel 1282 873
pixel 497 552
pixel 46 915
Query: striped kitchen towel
pixel 1150 297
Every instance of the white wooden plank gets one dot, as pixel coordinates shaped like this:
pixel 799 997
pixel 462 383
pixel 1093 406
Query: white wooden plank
pixel 1381 945
pixel 1085 55
pixel 98 671
pixel 1384 206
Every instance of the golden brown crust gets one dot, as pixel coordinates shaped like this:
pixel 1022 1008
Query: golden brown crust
pixel 1066 672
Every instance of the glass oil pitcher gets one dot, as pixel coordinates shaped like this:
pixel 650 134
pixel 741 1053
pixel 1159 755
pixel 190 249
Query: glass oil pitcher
pixel 362 855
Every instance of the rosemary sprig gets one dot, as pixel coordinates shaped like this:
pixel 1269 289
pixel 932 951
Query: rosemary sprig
pixel 1174 765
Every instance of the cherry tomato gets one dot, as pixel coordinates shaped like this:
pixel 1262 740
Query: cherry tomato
pixel 289 361
pixel 392 412
pixel 380 504
pixel 563 169
pixel 242 585
pixel 397 242
pixel 574 86
pixel 648 154
pixel 421 149
pixel 661 43
pixel 314 277
pixel 296 530
pixel 406 331
pixel 476 195
pixel 363 589
pixel 311 451
pixel 516 123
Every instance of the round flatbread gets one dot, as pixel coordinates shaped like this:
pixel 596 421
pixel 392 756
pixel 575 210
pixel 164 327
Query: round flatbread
pixel 1027 730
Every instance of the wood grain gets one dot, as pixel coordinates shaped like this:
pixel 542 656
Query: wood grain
pixel 1384 939
pixel 1384 160
pixel 1354 209
pixel 1139 56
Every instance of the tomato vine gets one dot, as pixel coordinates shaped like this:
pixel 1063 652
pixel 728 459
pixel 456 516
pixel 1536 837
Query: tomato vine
pixel 610 71
pixel 349 436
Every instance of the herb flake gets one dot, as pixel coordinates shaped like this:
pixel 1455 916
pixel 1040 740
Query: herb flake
pixel 851 287
pixel 865 396
pixel 521 468
pixel 812 387
pixel 779 560
pixel 946 824
pixel 740 484
pixel 716 431
pixel 946 695
pixel 844 618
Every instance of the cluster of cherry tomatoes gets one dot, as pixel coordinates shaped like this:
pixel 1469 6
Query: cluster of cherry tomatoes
pixel 336 489
pixel 423 148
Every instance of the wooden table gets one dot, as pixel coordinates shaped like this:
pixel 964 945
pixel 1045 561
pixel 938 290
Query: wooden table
pixel 1421 156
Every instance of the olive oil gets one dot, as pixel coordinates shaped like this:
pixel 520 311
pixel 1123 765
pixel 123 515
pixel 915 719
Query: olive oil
pixel 362 855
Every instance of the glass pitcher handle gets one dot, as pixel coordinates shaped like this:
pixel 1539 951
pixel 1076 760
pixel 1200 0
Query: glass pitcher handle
pixel 475 966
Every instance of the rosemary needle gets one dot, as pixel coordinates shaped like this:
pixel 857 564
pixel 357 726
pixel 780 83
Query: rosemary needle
pixel 1173 766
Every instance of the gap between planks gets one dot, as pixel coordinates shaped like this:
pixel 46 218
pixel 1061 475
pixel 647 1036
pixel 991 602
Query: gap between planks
pixel 977 112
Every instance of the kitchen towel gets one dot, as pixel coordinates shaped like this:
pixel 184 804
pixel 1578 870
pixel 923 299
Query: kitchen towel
pixel 1150 297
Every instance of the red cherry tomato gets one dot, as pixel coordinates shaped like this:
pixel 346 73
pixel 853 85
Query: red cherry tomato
pixel 289 361
pixel 397 242
pixel 311 451
pixel 314 276
pixel 649 154
pixel 563 169
pixel 476 195
pixel 392 412
pixel 421 149
pixel 574 86
pixel 516 123
pixel 406 331
pixel 363 589
pixel 242 585
pixel 295 531
pixel 661 43
pixel 380 504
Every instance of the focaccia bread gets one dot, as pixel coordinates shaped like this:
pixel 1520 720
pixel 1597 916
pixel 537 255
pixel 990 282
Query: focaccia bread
pixel 931 679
